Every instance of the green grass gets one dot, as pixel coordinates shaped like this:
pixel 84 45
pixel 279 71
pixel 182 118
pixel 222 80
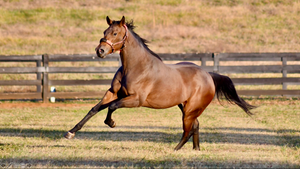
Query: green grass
pixel 32 135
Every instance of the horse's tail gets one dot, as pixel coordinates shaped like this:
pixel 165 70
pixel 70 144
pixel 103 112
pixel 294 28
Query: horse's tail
pixel 225 87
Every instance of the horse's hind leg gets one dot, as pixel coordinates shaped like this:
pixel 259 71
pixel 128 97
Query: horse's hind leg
pixel 195 133
pixel 108 98
pixel 190 128
pixel 190 124
pixel 187 132
pixel 195 130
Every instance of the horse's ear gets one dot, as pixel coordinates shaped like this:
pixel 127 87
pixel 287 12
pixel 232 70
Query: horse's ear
pixel 122 22
pixel 109 22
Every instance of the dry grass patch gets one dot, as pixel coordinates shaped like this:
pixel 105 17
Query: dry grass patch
pixel 32 27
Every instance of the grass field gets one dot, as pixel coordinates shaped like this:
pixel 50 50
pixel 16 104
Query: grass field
pixel 31 135
pixel 75 26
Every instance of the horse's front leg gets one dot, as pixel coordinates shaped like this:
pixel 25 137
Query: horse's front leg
pixel 108 98
pixel 110 122
pixel 128 102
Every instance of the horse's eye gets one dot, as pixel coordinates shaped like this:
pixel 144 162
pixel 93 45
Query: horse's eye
pixel 115 34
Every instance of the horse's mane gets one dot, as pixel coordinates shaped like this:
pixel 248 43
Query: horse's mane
pixel 131 27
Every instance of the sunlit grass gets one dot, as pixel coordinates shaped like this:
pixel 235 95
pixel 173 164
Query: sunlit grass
pixel 178 26
pixel 146 137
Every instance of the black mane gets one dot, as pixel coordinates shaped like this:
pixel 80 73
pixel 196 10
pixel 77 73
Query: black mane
pixel 130 27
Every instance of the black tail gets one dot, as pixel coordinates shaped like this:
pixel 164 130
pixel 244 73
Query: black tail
pixel 225 87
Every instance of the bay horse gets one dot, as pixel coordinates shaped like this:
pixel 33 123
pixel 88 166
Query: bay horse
pixel 144 80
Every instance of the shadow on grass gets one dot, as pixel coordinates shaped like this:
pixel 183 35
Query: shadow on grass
pixel 200 162
pixel 209 135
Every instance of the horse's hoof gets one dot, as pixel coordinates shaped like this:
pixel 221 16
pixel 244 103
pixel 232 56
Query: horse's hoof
pixel 69 135
pixel 196 148
pixel 111 123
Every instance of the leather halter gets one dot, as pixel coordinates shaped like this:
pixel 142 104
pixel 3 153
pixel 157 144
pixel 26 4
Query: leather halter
pixel 112 44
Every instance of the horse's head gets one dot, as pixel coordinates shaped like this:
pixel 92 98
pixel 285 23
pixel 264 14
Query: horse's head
pixel 114 37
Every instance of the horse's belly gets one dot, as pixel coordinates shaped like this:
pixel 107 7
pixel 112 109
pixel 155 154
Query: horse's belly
pixel 161 100
pixel 160 105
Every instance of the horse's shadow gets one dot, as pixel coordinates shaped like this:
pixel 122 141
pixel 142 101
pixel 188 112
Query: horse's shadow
pixel 255 136
pixel 166 135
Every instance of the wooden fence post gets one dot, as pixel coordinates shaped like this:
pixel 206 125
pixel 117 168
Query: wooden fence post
pixel 45 78
pixel 203 61
pixel 284 71
pixel 38 77
pixel 216 62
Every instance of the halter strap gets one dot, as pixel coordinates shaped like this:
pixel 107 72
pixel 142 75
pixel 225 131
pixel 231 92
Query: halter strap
pixel 112 44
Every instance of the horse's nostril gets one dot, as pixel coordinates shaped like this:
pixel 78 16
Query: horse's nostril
pixel 101 51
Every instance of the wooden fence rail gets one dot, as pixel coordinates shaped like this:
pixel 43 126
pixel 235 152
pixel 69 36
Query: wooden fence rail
pixel 216 60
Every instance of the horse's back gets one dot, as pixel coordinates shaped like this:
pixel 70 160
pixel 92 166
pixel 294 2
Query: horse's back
pixel 178 83
pixel 200 82
pixel 191 72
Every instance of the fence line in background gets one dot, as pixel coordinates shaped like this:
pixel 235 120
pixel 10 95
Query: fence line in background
pixel 42 71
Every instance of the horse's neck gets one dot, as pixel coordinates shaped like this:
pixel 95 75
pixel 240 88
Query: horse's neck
pixel 135 56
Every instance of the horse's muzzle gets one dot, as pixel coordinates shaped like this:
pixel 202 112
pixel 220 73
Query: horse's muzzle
pixel 100 52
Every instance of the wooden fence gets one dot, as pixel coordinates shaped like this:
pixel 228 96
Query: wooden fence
pixel 43 83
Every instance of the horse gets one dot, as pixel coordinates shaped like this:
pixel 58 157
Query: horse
pixel 144 80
